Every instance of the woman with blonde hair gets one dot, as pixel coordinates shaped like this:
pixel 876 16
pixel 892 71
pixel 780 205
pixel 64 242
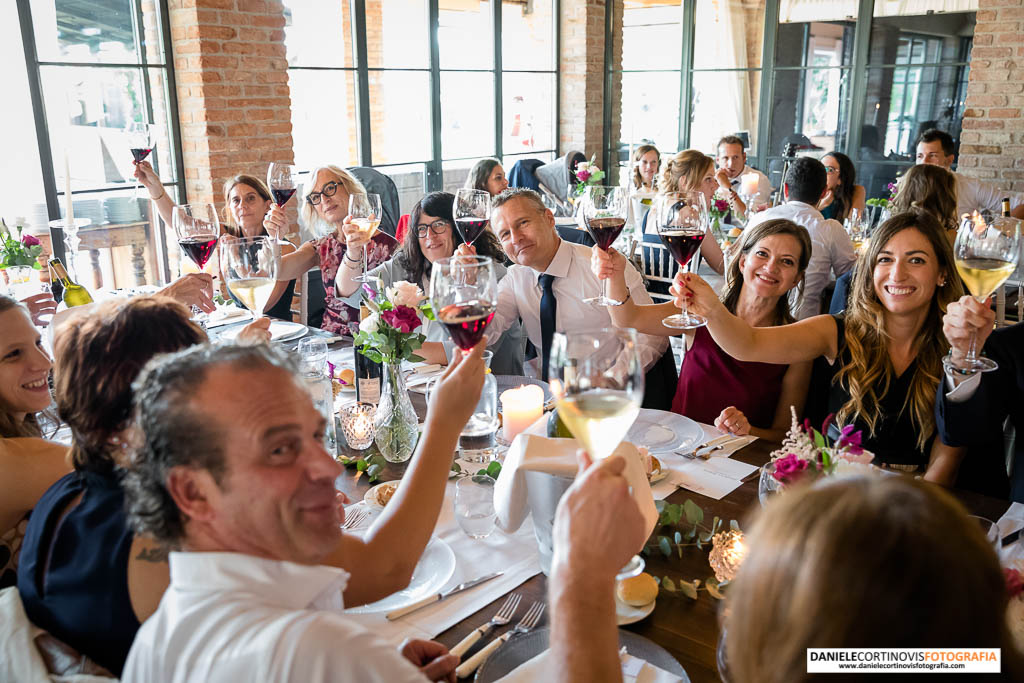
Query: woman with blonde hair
pixel 646 162
pixel 862 562
pixel 878 366
pixel 694 171
pixel 246 202
pixel 929 188
pixel 326 203
pixel 737 397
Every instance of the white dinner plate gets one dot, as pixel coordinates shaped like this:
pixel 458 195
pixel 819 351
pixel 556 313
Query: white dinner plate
pixel 627 614
pixel 280 330
pixel 435 568
pixel 662 431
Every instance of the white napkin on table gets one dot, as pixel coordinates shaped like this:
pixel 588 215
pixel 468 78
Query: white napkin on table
pixel 633 669
pixel 529 452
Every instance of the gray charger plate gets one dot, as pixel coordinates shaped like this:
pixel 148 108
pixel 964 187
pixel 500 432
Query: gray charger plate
pixel 520 649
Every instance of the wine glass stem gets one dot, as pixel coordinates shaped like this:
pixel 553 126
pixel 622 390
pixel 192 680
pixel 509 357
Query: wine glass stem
pixel 684 309
pixel 366 248
pixel 971 350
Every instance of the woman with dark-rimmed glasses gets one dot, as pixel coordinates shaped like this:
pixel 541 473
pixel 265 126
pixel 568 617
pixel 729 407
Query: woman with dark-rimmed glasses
pixel 431 236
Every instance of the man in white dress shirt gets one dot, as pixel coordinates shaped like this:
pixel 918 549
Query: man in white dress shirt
pixel 526 230
pixel 732 165
pixel 832 252
pixel 232 474
pixel 936 147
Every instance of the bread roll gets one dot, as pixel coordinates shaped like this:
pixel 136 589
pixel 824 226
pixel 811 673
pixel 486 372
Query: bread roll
pixel 638 591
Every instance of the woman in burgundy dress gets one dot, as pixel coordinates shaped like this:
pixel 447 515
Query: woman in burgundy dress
pixel 736 396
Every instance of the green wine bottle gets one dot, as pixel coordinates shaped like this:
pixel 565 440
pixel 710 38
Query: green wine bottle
pixel 557 428
pixel 74 294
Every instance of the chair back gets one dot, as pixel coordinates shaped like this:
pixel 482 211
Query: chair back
pixel 376 182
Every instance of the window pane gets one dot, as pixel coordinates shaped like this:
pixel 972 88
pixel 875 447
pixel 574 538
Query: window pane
pixel 90 32
pixel 724 103
pixel 932 8
pixel 464 34
pixel 797 11
pixel 324 117
pixel 650 110
pixel 456 172
pixel 400 116
pixel 729 34
pixel 815 44
pixel 467 115
pixel 527 38
pixel 920 39
pixel 22 179
pixel 810 109
pixel 88 111
pixel 409 179
pixel 318 33
pixel 396 34
pixel 528 112
pixel 122 247
pixel 904 102
pixel 651 34
pixel 875 176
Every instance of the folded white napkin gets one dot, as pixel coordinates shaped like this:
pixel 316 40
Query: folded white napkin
pixel 529 452
pixel 633 669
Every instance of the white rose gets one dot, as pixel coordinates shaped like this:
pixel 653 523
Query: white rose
pixel 404 293
pixel 370 323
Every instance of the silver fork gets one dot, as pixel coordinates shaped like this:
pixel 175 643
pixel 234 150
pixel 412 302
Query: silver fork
pixel 351 522
pixel 528 621
pixel 503 616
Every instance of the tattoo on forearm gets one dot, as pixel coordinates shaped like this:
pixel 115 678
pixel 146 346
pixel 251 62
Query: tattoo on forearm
pixel 152 555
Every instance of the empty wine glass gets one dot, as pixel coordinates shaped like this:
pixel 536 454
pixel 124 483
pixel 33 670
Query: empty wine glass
pixel 604 212
pixel 464 294
pixel 140 142
pixel 366 214
pixel 682 219
pixel 472 211
pixel 250 266
pixel 283 181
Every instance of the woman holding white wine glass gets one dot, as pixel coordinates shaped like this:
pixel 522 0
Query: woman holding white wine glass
pixel 597 380
pixel 250 266
pixel 878 366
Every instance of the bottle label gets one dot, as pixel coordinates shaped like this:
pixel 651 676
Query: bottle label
pixel 369 389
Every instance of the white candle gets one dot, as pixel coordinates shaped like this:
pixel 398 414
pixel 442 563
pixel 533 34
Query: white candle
pixel 749 183
pixel 520 408
pixel 69 209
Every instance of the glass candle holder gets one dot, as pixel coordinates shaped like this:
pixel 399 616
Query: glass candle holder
pixel 357 424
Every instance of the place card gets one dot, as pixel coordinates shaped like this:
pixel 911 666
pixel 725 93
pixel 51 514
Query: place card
pixel 715 477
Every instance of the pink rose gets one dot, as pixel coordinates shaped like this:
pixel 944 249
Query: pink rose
pixel 402 318
pixel 582 175
pixel 789 469
pixel 29 240
pixel 1014 582
pixel 721 205
pixel 404 293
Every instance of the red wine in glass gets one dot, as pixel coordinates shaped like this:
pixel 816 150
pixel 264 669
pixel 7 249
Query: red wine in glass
pixel 281 196
pixel 199 249
pixel 466 322
pixel 471 228
pixel 605 230
pixel 140 153
pixel 682 243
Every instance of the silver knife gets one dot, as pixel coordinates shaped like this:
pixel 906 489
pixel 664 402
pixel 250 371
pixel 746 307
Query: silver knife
pixel 437 597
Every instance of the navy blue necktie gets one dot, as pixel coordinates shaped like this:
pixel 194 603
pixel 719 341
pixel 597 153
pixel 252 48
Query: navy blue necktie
pixel 547 320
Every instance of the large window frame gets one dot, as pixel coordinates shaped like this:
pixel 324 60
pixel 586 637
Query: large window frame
pixel 34 65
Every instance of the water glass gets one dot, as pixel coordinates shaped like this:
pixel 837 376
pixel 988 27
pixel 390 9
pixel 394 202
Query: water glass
pixel 474 505
pixel 313 354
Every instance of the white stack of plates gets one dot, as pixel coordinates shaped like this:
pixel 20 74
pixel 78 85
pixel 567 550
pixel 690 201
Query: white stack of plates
pixel 122 210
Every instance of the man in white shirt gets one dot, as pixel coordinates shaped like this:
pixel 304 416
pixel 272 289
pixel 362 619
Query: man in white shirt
pixel 233 474
pixel 551 273
pixel 936 147
pixel 832 252
pixel 732 166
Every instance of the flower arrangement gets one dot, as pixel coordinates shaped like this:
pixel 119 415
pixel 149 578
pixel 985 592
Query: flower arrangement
pixel 885 202
pixel 388 334
pixel 1015 607
pixel 806 452
pixel 23 250
pixel 587 173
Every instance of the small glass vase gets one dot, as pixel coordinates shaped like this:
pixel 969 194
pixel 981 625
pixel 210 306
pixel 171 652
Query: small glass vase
pixel 767 484
pixel 396 423
pixel 22 281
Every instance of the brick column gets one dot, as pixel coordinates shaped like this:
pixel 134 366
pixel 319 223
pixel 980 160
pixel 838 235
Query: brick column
pixel 992 142
pixel 233 97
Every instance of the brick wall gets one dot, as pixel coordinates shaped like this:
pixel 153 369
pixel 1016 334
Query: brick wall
pixel 233 98
pixel 582 65
pixel 992 142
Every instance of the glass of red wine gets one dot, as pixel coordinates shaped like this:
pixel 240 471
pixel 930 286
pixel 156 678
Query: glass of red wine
pixel 198 230
pixel 140 142
pixel 472 211
pixel 682 223
pixel 464 294
pixel 604 210
pixel 283 181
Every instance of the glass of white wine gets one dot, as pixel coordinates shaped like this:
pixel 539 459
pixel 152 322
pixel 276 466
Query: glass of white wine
pixel 597 380
pixel 986 254
pixel 365 212
pixel 250 266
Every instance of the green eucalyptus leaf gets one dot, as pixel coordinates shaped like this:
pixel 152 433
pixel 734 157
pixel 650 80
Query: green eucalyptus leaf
pixel 665 546
pixel 706 538
pixel 677 537
pixel 413 358
pixel 361 465
pixel 688 589
pixel 717 522
pixel 714 588
pixel 734 525
pixel 694 515
pixel 374 471
pixel 494 469
pixel 456 467
pixel 691 534
pixel 668 584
